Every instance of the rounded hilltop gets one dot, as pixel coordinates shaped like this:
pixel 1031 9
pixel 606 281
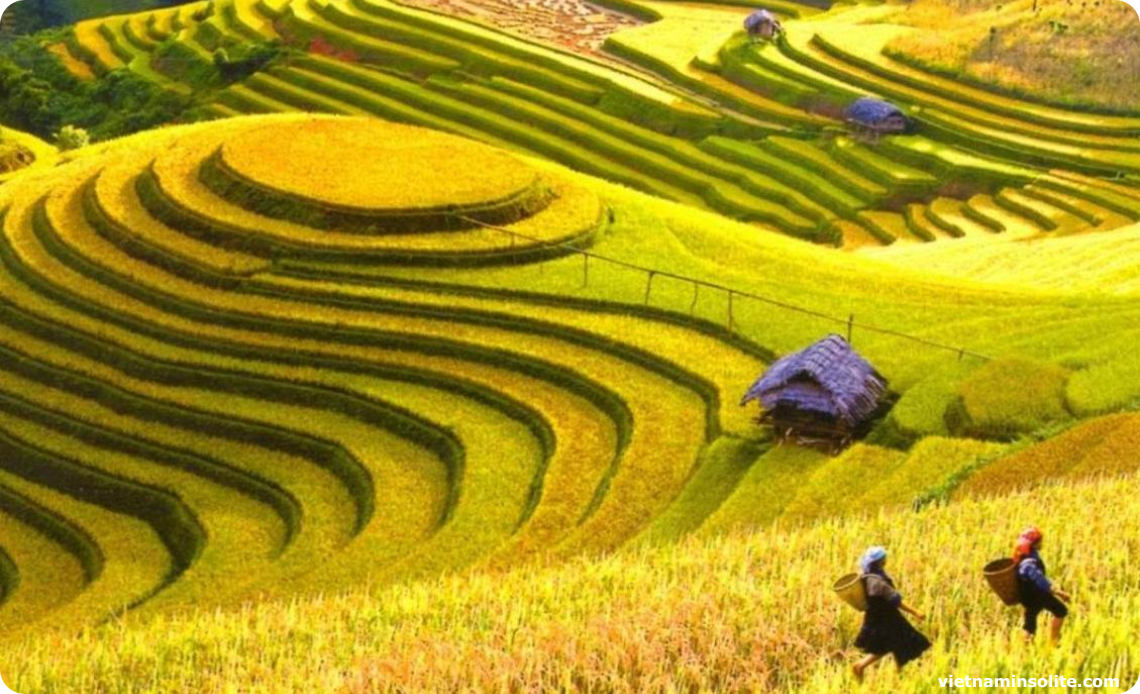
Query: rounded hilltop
pixel 329 188
pixel 383 172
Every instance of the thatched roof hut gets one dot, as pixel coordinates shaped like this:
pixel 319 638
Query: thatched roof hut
pixel 824 392
pixel 876 116
pixel 762 24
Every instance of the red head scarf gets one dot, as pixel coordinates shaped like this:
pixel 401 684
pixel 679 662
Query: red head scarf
pixel 1026 542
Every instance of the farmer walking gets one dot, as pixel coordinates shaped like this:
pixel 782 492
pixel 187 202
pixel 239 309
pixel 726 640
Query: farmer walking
pixel 1037 592
pixel 885 629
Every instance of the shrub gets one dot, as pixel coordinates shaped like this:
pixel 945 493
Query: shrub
pixel 71 137
pixel 1008 397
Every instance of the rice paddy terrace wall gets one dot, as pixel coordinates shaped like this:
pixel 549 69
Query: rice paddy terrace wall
pixel 700 116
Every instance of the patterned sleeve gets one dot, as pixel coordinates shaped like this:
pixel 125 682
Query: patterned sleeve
pixel 1031 571
pixel 879 588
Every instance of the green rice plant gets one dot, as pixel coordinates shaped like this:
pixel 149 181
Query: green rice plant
pixel 685 153
pixel 241 537
pixel 41 575
pixel 919 225
pixel 619 484
pixel 93 45
pixel 370 90
pixel 603 77
pixel 879 68
pixel 1058 220
pixel 718 194
pixel 985 210
pixel 573 215
pixel 836 487
pixel 786 170
pixel 1118 198
pixel 472 58
pixel 302 23
pixel 1028 148
pixel 811 156
pixel 930 464
pixel 886 227
pixel 135 32
pixel 949 215
pixel 880 167
pixel 1007 397
pixel 243 100
pixel 518 134
pixel 137 562
pixel 765 490
pixel 712 85
pixel 296 98
pixel 921 411
pixel 708 614
pixel 1078 207
pixel 723 464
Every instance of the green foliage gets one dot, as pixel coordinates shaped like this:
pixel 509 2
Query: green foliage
pixel 239 61
pixel 30 16
pixel 70 137
pixel 1010 396
pixel 835 488
pixel 921 411
pixel 38 95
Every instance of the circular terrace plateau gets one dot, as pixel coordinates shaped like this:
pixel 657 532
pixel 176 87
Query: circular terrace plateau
pixel 357 174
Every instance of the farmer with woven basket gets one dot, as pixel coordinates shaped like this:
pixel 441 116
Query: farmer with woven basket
pixel 1038 594
pixel 885 629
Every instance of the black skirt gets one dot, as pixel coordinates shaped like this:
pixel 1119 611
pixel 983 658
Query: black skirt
pixel 885 630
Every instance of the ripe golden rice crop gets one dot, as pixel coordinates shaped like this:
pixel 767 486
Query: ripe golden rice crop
pixel 373 166
pixel 743 613
pixel 1049 459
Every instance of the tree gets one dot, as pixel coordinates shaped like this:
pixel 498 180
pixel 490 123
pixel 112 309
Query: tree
pixel 70 137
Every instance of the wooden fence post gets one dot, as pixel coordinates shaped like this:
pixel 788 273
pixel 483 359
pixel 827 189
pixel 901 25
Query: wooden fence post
pixel 696 295
pixel 850 326
pixel 585 269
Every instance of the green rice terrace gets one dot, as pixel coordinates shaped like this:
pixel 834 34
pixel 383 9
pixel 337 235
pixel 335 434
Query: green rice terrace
pixel 425 303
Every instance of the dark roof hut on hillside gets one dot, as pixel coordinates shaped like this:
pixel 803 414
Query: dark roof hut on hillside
pixel 762 24
pixel 824 394
pixel 876 116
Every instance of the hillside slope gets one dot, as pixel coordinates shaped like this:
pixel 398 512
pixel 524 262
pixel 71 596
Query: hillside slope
pixel 745 613
pixel 413 368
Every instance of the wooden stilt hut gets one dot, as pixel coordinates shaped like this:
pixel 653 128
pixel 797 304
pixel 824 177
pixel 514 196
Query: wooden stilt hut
pixel 825 395
pixel 875 117
pixel 762 24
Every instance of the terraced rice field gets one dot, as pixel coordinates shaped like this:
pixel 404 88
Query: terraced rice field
pixel 428 298
pixel 696 115
pixel 218 377
pixel 409 432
